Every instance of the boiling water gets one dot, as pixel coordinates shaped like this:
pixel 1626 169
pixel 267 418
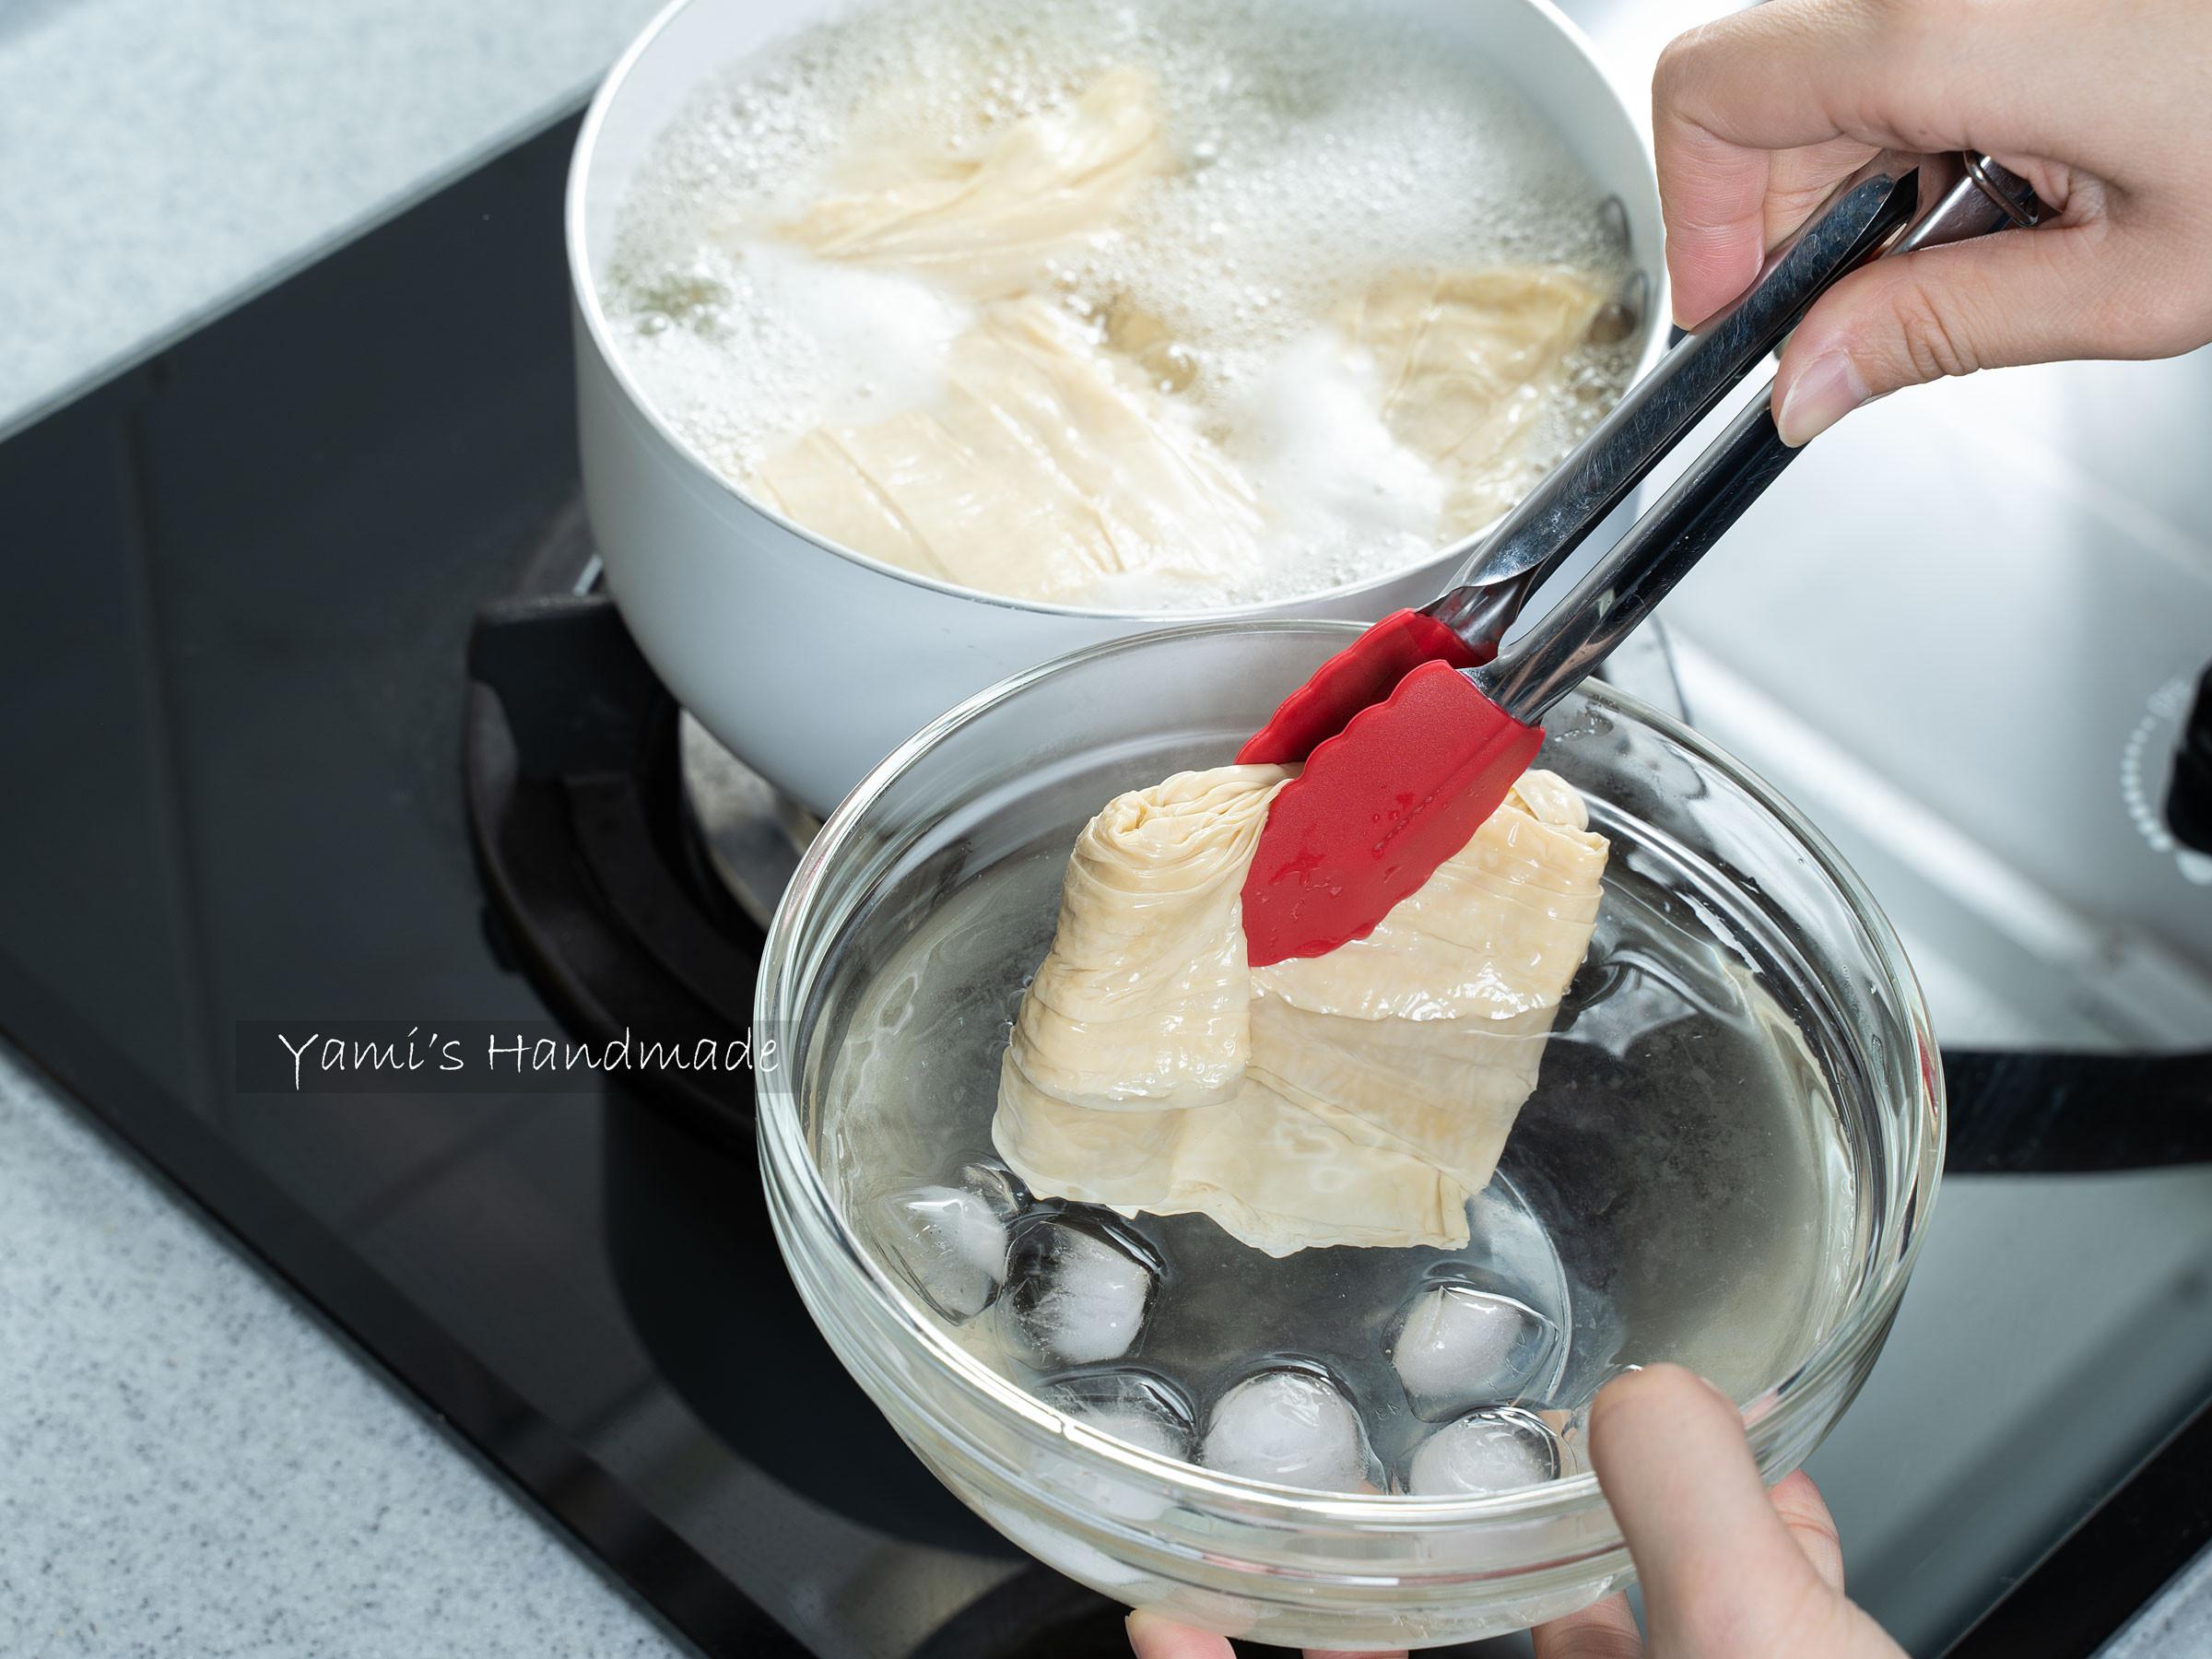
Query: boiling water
pixel 1678 1187
pixel 1314 148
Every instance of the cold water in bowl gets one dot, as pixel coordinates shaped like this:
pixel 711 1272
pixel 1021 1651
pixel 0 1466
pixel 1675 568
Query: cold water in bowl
pixel 1732 1140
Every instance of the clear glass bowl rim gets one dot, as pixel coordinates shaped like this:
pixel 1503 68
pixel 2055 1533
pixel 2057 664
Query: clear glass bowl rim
pixel 789 1169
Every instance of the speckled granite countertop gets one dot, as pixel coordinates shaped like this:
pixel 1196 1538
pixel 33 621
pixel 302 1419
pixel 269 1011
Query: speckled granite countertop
pixel 161 158
pixel 2179 1622
pixel 192 1464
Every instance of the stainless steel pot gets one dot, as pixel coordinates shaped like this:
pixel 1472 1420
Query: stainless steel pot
pixel 811 661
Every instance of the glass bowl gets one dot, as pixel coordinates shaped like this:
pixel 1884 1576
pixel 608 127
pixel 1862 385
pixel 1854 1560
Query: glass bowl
pixel 1002 783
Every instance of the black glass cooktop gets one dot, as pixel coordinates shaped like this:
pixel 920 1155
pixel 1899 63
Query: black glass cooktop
pixel 308 716
pixel 245 752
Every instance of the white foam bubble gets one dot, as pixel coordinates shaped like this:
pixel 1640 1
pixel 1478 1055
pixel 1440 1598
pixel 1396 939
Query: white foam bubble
pixel 1311 434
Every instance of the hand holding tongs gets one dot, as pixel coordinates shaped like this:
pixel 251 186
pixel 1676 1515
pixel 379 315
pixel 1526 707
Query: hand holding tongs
pixel 1428 762
pixel 1971 195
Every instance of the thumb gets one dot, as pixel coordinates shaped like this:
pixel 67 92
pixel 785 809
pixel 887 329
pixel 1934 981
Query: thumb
pixel 2016 297
pixel 1153 1637
pixel 1721 1576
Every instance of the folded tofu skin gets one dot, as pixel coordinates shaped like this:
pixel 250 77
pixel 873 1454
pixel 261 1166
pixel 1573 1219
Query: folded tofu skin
pixel 1048 470
pixel 984 226
pixel 1464 363
pixel 1067 457
pixel 1359 1097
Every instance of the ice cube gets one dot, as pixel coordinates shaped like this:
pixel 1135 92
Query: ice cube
pixel 1460 1348
pixel 1292 1427
pixel 1572 1425
pixel 951 1245
pixel 1571 1429
pixel 1484 1451
pixel 1080 1289
pixel 1133 1405
pixel 997 1187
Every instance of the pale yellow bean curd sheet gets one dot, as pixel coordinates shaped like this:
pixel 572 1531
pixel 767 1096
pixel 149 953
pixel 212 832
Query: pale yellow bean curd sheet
pixel 1062 461
pixel 1357 1098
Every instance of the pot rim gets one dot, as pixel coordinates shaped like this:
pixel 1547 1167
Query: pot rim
pixel 584 289
pixel 1771 1416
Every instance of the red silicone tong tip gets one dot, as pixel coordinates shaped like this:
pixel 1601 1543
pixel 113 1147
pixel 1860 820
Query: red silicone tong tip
pixel 1364 672
pixel 1400 789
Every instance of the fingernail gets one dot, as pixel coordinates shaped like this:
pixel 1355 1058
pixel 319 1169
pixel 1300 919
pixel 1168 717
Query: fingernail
pixel 1827 390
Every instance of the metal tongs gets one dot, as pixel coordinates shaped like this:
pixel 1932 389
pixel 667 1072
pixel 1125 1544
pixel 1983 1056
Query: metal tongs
pixel 1413 735
pixel 1965 196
